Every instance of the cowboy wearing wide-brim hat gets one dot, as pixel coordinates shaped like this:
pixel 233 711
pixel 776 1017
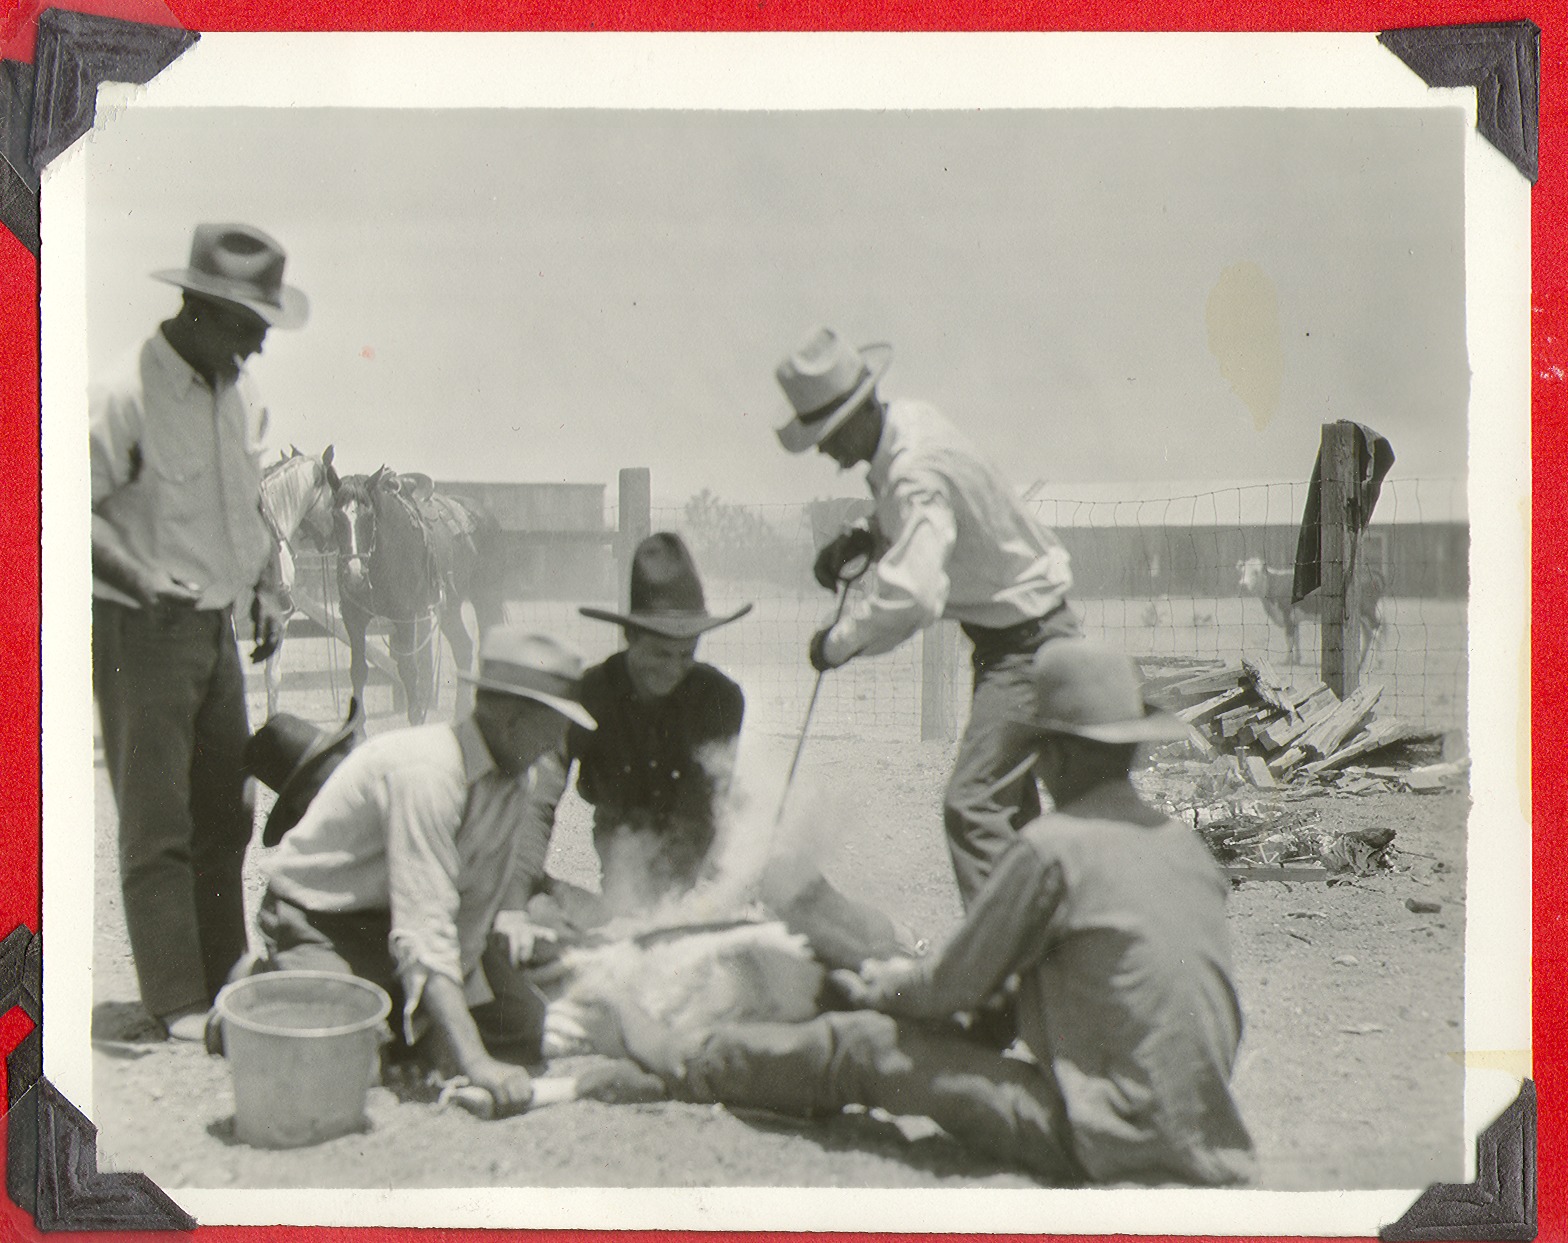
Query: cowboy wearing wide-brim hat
pixel 181 557
pixel 413 864
pixel 660 759
pixel 948 538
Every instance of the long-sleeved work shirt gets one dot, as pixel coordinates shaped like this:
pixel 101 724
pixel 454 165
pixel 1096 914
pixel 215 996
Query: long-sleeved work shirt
pixel 1113 917
pixel 651 763
pixel 420 823
pixel 957 541
pixel 176 471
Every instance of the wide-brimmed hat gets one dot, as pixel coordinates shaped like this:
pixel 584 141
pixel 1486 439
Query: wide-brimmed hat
pixel 666 594
pixel 295 758
pixel 826 380
pixel 241 264
pixel 515 661
pixel 1089 691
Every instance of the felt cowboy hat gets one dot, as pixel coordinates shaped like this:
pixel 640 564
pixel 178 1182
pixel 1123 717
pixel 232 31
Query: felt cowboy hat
pixel 514 661
pixel 826 380
pixel 1091 692
pixel 666 594
pixel 243 265
pixel 295 758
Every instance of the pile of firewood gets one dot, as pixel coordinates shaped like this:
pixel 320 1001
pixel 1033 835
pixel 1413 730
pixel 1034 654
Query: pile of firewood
pixel 1277 730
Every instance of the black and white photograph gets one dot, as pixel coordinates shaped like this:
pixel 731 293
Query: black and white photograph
pixel 675 619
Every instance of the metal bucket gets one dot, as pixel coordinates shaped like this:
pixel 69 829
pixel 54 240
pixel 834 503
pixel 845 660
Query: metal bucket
pixel 303 1050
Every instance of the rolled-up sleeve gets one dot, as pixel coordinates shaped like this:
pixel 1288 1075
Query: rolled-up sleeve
pixel 910 584
pixel 424 807
pixel 1006 931
pixel 114 427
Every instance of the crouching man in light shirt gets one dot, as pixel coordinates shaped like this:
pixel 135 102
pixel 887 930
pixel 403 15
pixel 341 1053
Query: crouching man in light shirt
pixel 421 844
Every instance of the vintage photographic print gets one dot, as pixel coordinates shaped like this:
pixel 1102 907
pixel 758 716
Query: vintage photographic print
pixel 636 624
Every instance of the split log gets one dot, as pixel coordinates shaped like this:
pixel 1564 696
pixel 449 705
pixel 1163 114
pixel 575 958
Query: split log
pixel 1263 871
pixel 1377 735
pixel 1322 740
pixel 1258 772
pixel 1271 688
pixel 1199 713
pixel 1225 678
pixel 1286 761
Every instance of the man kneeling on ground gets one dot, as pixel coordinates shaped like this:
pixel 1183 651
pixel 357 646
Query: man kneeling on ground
pixel 413 864
pixel 1113 918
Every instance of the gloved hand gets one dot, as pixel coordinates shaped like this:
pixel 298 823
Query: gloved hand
pixel 816 654
pixel 850 543
pixel 267 620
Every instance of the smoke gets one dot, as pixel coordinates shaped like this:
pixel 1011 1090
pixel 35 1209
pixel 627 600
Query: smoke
pixel 756 853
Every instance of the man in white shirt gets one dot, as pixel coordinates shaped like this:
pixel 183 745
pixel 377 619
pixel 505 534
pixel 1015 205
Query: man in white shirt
pixel 180 551
pixel 949 538
pixel 421 844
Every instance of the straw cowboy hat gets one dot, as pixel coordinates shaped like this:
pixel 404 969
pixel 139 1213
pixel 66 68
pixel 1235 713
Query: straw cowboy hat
pixel 243 265
pixel 514 661
pixel 825 381
pixel 1091 692
pixel 295 758
pixel 666 594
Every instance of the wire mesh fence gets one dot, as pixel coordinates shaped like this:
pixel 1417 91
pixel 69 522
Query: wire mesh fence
pixel 1165 578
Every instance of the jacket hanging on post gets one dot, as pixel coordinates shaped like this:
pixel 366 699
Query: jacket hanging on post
pixel 1374 459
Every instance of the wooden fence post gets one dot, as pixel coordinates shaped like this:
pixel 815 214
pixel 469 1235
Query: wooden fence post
pixel 938 711
pixel 1337 536
pixel 634 522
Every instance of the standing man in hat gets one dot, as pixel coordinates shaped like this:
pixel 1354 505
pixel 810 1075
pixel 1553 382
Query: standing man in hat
pixel 668 729
pixel 414 862
pixel 1113 917
pixel 179 549
pixel 950 539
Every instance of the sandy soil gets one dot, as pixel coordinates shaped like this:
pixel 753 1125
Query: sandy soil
pixel 1349 1074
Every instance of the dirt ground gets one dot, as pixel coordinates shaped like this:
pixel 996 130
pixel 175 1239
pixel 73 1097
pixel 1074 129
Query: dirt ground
pixel 1349 1074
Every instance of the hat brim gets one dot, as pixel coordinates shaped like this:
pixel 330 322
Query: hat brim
pixel 569 708
pixel 797 435
pixel 1156 725
pixel 293 312
pixel 668 625
pixel 291 806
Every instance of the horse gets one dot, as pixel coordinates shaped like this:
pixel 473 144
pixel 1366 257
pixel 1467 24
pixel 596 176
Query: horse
pixel 296 496
pixel 411 555
pixel 1273 587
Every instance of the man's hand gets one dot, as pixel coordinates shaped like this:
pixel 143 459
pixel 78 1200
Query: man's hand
pixel 849 544
pixel 266 621
pixel 816 653
pixel 510 1087
pixel 871 986
pixel 158 589
pixel 526 941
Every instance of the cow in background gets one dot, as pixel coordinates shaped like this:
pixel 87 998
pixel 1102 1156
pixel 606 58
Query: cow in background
pixel 1273 588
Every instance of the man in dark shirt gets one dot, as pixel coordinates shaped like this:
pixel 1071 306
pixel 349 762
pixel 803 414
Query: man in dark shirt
pixel 664 751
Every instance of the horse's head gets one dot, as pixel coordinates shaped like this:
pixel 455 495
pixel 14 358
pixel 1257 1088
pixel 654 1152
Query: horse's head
pixel 354 526
pixel 1250 574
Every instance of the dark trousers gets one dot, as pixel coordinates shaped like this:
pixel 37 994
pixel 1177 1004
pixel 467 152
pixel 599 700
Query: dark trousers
pixel 1007 1108
pixel 171 701
pixel 356 943
pixel 992 792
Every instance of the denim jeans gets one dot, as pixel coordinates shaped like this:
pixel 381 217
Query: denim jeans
pixel 992 793
pixel 171 701
pixel 1005 1107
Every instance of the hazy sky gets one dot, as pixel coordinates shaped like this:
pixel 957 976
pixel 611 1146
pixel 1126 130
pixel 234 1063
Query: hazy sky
pixel 552 295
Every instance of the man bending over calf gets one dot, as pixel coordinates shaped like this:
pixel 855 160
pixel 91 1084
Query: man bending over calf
pixel 421 844
pixel 1111 915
